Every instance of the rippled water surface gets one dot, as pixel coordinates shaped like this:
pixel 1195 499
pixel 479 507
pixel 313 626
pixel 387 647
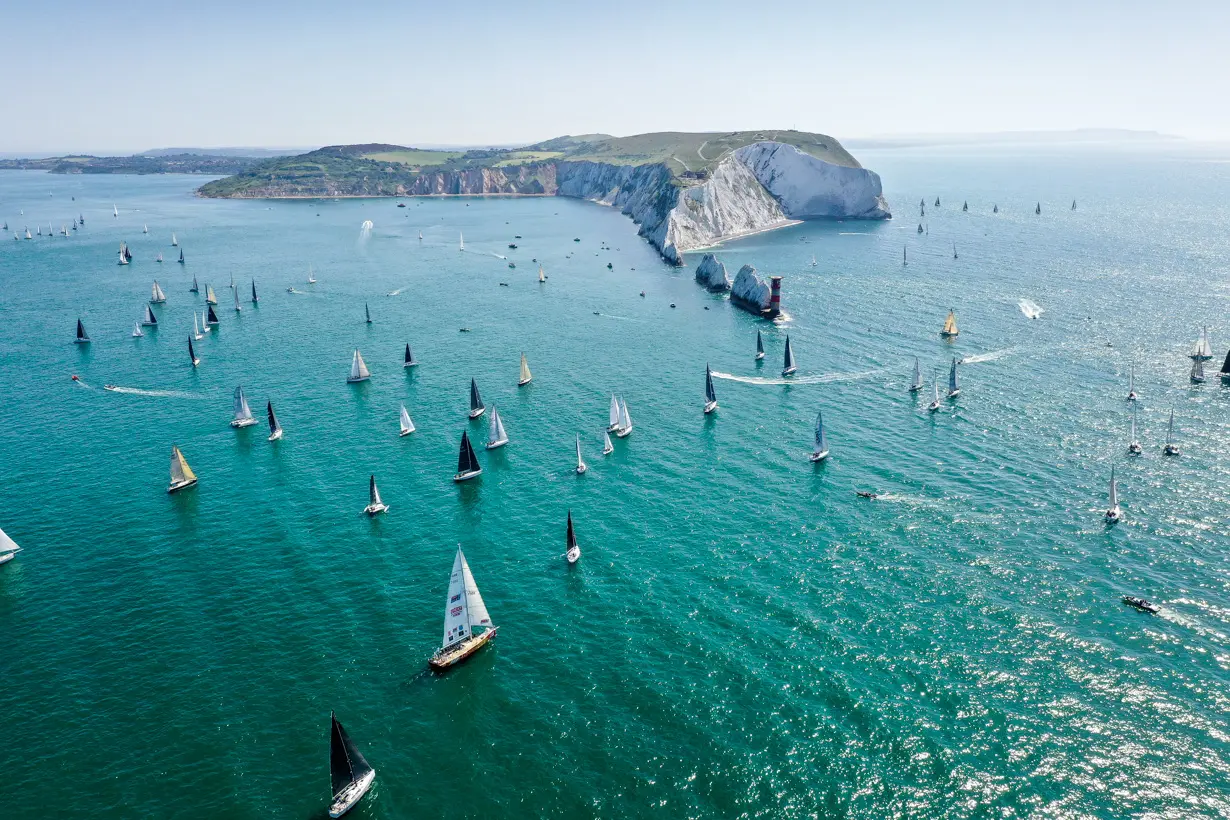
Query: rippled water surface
pixel 743 635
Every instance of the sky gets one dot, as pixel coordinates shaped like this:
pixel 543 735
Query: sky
pixel 120 77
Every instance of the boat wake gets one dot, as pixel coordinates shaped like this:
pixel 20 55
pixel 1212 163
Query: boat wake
pixel 365 230
pixel 853 233
pixel 292 290
pixel 987 357
pixel 1031 309
pixel 622 319
pixel 159 394
pixel 821 378
pixel 394 292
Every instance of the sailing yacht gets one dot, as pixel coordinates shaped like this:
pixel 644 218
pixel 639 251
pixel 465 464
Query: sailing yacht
pixel 115 211
pixel 196 326
pixel 1197 375
pixel 136 330
pixel 935 402
pixel 1131 396
pixel 192 354
pixel 82 337
pixel 1225 370
pixel 408 358
pixel 235 296
pixel 374 505
pixel 613 418
pixel 581 468
pixel 607 447
pixel 1171 449
pixel 243 413
pixel 820 450
pixel 464 613
pixel 467 461
pixel 211 318
pixel 350 775
pixel 158 258
pixel 1074 204
pixel 210 298
pixel 759 346
pixel 1134 447
pixel 195 287
pixel 420 236
pixel 965 206
pixel 496 436
pixel 255 298
pixel 625 421
pixel 407 426
pixel 526 377
pixel 358 370
pixel 311 277
pixel 1113 513
pixel 1038 209
pixel 181 474
pixel 1203 350
pixel 788 365
pixel 8 548
pixel 574 551
pixel 149 320
pixel 542 277
pixel 950 326
pixel 174 241
pixel 904 259
pixel 954 389
pixel 275 427
pixel 367 312
pixel 462 244
pixel 123 255
pixel 710 397
pixel 181 256
pixel 232 285
pixel 476 402
pixel 145 229
pixel 917 382
pixel 954 250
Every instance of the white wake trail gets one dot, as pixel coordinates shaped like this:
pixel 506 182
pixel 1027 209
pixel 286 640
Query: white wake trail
pixel 821 378
pixel 987 357
pixel 160 394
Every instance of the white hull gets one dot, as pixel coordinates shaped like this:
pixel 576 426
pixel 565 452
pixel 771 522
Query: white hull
pixel 606 451
pixel 176 486
pixel 1113 515
pixel 8 556
pixel 476 413
pixel 952 394
pixel 581 468
pixel 466 476
pixel 409 364
pixel 495 445
pixel 611 428
pixel 623 432
pixel 1135 449
pixel 710 407
pixel 814 457
pixel 375 509
pixel 1170 450
pixel 405 432
pixel 789 371
pixel 196 362
pixel 573 554
pixel 243 422
pixel 524 382
pixel 759 356
pixel 356 381
pixel 933 406
pixel 344 800
pixel 275 436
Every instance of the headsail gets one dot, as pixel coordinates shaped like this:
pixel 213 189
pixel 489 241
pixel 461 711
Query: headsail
pixel 81 334
pixel 1114 490
pixel 192 354
pixel 242 411
pixel 195 288
pixel 526 376
pixel 467 461
pixel 156 294
pixel 572 536
pixel 358 368
pixel 211 318
pixel 150 319
pixel 180 471
pixel 625 420
pixel 788 365
pixel 255 298
pixel 7 545
pixel 210 298
pixel 407 426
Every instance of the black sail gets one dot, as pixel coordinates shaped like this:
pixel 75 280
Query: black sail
pixel 81 330
pixel 273 420
pixel 709 394
pixel 346 764
pixel 254 299
pixel 409 356
pixel 191 352
pixel 1225 367
pixel 466 460
pixel 572 536
pixel 759 343
pixel 476 402
pixel 181 254
pixel 213 317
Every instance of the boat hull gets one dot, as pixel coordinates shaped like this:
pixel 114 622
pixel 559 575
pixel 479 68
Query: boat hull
pixel 466 476
pixel 356 381
pixel 375 509
pixel 1170 450
pixel 275 436
pixel 581 468
pixel 606 451
pixel 176 486
pixel 789 371
pixel 933 406
pixel 573 555
pixel 345 800
pixel 944 335
pixel 8 556
pixel 406 432
pixel 456 655
pixel 710 407
pixel 409 364
pixel 81 341
pixel 237 423
pixel 495 445
pixel 952 394
pixel 1113 515
pixel 476 413
pixel 817 457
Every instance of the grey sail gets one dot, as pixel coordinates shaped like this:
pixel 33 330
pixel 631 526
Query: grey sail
pixel 952 378
pixel 789 358
pixel 759 344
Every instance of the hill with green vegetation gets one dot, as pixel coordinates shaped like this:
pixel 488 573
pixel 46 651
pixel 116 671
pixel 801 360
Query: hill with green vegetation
pixel 136 164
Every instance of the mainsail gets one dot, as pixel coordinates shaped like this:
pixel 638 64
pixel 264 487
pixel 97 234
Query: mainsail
pixel 150 319
pixel 180 471
pixel 409 361
pixel 374 494
pixel 918 382
pixel 346 764
pixel 476 402
pixel 274 426
pixel 195 287
pixel 407 426
pixel 525 371
pixel 710 396
pixel 7 545
pixel 953 387
pixel 613 423
pixel 820 444
pixel 211 318
pixel 625 420
pixel 242 411
pixel 368 311
pixel 358 369
pixel 1225 366
pixel 136 329
pixel 495 429
pixel 950 325
pixel 467 462
pixel 81 334
pixel 192 354
pixel 156 294
pixel 788 362
pixel 759 345
pixel 235 295
pixel 255 298
pixel 572 536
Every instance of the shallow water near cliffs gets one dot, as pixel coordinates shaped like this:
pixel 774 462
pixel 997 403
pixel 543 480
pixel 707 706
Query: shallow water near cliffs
pixel 743 635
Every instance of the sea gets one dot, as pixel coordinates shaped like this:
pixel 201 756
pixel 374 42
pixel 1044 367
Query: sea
pixel 743 635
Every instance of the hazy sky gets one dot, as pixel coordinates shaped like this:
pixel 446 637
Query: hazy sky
pixel 86 75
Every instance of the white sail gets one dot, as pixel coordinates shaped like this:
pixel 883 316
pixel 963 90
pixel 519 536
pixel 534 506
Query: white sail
pixel 474 600
pixel 7 544
pixel 235 293
pixel 607 447
pixel 495 429
pixel 136 329
pixel 407 426
pixel 156 294
pixel 462 245
pixel 1170 429
pixel 614 416
pixel 242 411
pixel 918 382
pixel 625 420
pixel 525 371
pixel 541 276
pixel 463 606
pixel 145 229
pixel 580 461
pixel 358 370
pixel 174 241
pixel 180 471
pixel 196 326
pixel 115 211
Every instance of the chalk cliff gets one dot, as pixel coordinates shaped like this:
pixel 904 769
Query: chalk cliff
pixel 750 290
pixel 712 274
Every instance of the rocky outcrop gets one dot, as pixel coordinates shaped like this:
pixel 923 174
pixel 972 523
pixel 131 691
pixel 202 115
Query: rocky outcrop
pixel 712 274
pixel 750 291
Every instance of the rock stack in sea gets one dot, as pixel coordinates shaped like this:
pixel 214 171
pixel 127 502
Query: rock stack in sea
pixel 712 274
pixel 750 292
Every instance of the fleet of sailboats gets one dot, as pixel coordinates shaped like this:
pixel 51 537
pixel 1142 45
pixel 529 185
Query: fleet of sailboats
pixel 358 369
pixel 467 625
pixel 243 413
pixel 374 505
pixel 350 775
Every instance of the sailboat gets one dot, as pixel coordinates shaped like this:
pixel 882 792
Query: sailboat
pixel 181 256
pixel 255 298
pixel 28 234
pixel 210 298
pixel 181 474
pixel 526 377
pixel 462 243
pixel 581 468
pixel 467 461
pixel 820 450
pixel 995 209
pixel 192 354
pixel 476 402
pixel 607 447
pixel 408 359
pixel 115 211
pixel 358 370
pixel 195 287
pixel 1203 350
pixel 759 346
pixel 158 258
pixel 311 277
pixel 196 326
pixel 350 775
pixel 1131 396
pixel 1171 449
pixel 145 229
pixel 1113 513
pixel 935 402
pixel 813 261
pixel 374 505
pixel 149 320
pixel 954 250
pixel 954 389
pixel 1134 447
pixel 275 428
pixel 123 254
pixel 1197 375
pixel 243 413
pixel 1038 209
pixel 574 551
pixel 136 330
pixel 174 241
pixel 496 436
pixel 965 206
pixel 788 365
pixel 157 297
pixel 367 312
pixel 904 259
pixel 710 397
pixel 937 202
pixel 211 318
pixel 235 296
pixel 464 612
pixel 1225 370
pixel 420 236
pixel 8 548
pixel 625 421
pixel 82 337
pixel 917 382
pixel 613 418
pixel 1074 204
pixel 950 326
pixel 407 426
pixel 542 277
pixel 232 285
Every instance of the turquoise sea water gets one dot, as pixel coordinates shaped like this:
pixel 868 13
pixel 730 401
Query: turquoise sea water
pixel 743 636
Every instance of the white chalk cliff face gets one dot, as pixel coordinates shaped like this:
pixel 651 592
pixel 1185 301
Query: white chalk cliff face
pixel 751 289
pixel 712 273
pixel 759 187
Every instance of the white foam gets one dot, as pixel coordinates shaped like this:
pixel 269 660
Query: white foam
pixel 820 378
pixel 161 394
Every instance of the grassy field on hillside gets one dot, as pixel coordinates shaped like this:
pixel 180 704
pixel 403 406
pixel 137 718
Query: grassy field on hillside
pixel 414 157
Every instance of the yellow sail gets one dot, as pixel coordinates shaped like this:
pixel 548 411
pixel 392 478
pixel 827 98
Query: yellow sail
pixel 180 471
pixel 950 325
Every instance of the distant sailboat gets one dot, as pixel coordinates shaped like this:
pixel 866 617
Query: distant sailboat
pixel 937 202
pixel 374 505
pixel 1197 375
pixel 1225 369
pixel 136 330
pixel 1171 449
pixel 496 437
pixel 181 474
pixel 476 402
pixel 275 428
pixel 210 298
pixel 916 383
pixel 1134 447
pixel 464 612
pixel 149 320
pixel 115 211
pixel 788 365
pixel 82 337
pixel 350 775
pixel 542 277
pixel 192 354
pixel 420 236
pixel 467 461
pixel 1131 396
pixel 174 241
pixel 995 209
pixel 1038 209
pixel 1074 204
pixel 235 296
pixel 1113 513
pixel 904 259
pixel 759 346
pixel 358 369
pixel 607 446
pixel 965 206
pixel 407 426
pixel 581 468
pixel 181 256
pixel 613 418
pixel 195 287
pixel 711 403
pixel 157 296
pixel 311 278
pixel 255 298
pixel 158 258
pixel 625 420
pixel 243 413
pixel 573 552
pixel 954 250
pixel 145 229
pixel 367 311
pixel 462 242
pixel 935 402
pixel 232 285
pixel 408 358
pixel 820 449
pixel 8 548
pixel 813 261
pixel 954 389
pixel 526 377
pixel 950 326
pixel 211 318
pixel 123 254
pixel 1203 350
